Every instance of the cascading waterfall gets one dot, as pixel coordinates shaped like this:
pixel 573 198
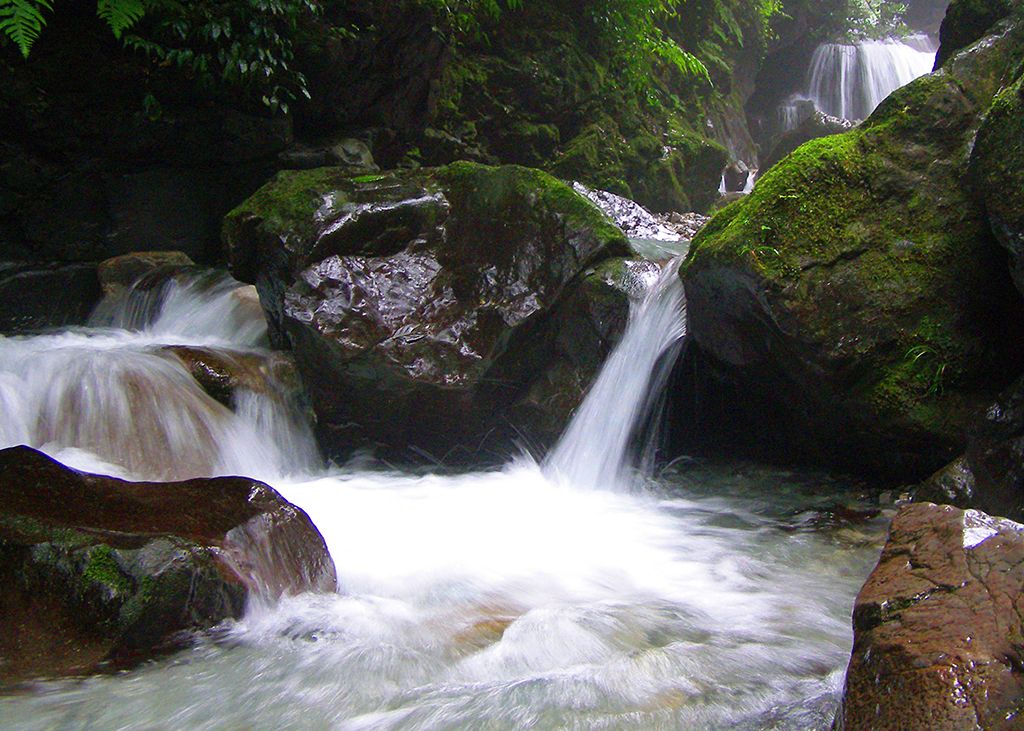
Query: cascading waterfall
pixel 850 80
pixel 516 598
pixel 119 400
pixel 593 451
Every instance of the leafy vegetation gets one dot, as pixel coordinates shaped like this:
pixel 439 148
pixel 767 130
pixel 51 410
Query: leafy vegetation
pixel 247 44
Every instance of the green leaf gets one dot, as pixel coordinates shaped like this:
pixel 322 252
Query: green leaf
pixel 120 15
pixel 22 21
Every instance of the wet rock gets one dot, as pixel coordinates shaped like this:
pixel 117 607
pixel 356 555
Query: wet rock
pixel 222 374
pixel 989 476
pixel 736 175
pixel 99 572
pixel 857 293
pixel 633 219
pixel 965 22
pixel 997 170
pixel 402 293
pixel 816 124
pixel 120 272
pixel 344 151
pixel 38 296
pixel 937 626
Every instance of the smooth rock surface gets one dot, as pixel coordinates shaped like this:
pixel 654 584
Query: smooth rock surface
pixel 938 627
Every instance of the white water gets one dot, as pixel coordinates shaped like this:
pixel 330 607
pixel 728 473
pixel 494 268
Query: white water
pixel 850 80
pixel 518 598
pixel 593 451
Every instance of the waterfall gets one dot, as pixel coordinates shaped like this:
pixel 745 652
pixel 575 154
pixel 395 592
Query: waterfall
pixel 121 400
pixel 594 450
pixel 849 80
pixel 511 598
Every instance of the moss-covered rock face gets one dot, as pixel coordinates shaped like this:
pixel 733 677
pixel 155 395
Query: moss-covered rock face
pixel 98 572
pixel 859 288
pixel 997 171
pixel 966 21
pixel 408 297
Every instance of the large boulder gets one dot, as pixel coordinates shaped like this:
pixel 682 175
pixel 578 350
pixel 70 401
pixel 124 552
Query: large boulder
pixel 938 628
pixel 409 297
pixel 859 291
pixel 997 168
pixel 39 296
pixel 965 22
pixel 99 572
pixel 989 475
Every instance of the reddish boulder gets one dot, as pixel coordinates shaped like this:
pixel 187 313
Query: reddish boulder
pixel 98 572
pixel 938 629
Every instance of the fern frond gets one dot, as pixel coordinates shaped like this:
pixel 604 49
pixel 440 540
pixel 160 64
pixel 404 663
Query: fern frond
pixel 22 21
pixel 120 15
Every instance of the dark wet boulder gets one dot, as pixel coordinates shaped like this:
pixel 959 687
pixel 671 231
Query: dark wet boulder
pixel 938 628
pixel 997 169
pixel 98 572
pixel 404 294
pixel 38 296
pixel 966 21
pixel 858 289
pixel 989 475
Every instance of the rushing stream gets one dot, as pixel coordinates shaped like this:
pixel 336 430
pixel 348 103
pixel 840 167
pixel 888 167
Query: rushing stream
pixel 578 594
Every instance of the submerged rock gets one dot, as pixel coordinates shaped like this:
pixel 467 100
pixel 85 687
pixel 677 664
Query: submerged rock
pixel 937 626
pixel 99 572
pixel 406 296
pixel 858 290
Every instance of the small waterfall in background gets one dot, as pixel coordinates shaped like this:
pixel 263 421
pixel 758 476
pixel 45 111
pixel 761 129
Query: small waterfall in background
pixel 849 81
pixel 594 450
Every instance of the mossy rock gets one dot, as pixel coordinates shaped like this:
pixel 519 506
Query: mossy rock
pixel 681 174
pixel 859 289
pixel 99 573
pixel 997 171
pixel 401 294
pixel 966 21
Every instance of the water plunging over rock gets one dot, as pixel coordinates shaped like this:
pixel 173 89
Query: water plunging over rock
pixel 593 451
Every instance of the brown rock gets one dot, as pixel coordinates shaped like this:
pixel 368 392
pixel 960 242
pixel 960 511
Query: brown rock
pixel 121 272
pixel 98 571
pixel 938 626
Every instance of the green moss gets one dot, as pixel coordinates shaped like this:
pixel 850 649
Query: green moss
pixel 102 569
pixel 25 530
pixel 289 201
pixel 514 195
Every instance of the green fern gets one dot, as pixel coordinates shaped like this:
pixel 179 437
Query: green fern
pixel 120 15
pixel 22 21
